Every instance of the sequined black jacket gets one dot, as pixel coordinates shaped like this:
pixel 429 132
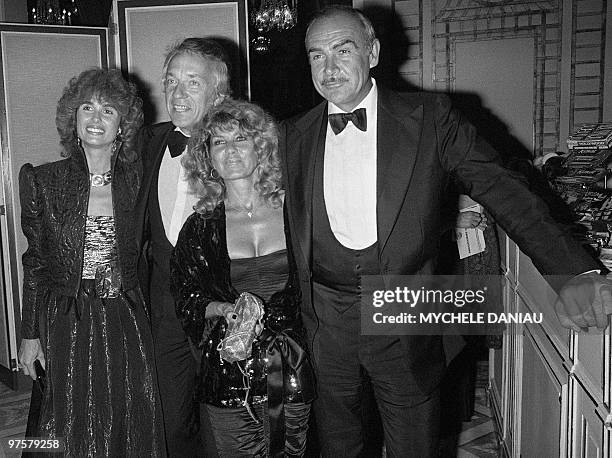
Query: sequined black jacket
pixel 200 274
pixel 54 201
pixel 200 268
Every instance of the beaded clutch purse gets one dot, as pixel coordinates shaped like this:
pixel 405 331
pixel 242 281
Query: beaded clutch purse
pixel 238 341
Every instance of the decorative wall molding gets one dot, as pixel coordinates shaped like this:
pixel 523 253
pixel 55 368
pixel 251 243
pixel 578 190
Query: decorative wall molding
pixel 470 20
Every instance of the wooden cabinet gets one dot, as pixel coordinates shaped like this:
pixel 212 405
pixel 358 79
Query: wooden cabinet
pixel 549 387
pixel 589 432
pixel 541 428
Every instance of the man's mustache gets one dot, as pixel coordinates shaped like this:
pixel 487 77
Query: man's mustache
pixel 333 80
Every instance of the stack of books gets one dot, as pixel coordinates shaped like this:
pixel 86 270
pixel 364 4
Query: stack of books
pixel 583 186
pixel 590 150
pixel 591 136
pixel 594 206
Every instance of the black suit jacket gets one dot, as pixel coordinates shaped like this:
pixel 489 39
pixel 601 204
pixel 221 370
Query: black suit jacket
pixel 152 144
pixel 421 140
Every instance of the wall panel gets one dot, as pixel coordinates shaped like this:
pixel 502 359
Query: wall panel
pixel 541 429
pixel 481 68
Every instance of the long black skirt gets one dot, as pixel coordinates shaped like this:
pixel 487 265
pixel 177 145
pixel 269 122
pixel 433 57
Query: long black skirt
pixel 101 396
pixel 238 435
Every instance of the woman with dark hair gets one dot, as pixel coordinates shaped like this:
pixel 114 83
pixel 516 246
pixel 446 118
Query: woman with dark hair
pixel 232 256
pixel 83 316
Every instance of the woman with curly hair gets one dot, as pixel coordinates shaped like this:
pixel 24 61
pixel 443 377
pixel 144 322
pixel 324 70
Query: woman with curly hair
pixel 83 316
pixel 232 258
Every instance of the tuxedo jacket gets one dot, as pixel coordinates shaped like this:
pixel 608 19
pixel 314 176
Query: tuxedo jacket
pixel 421 141
pixel 152 144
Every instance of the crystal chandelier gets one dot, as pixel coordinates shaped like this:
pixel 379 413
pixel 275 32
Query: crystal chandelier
pixel 59 12
pixel 275 14
pixel 272 15
pixel 261 44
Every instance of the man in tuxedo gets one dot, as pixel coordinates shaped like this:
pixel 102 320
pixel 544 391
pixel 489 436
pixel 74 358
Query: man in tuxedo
pixel 365 173
pixel 195 78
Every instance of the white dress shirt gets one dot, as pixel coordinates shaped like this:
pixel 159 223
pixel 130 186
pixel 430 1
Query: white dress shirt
pixel 176 201
pixel 349 178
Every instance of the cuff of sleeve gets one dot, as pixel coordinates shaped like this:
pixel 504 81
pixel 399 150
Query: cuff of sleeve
pixel 602 271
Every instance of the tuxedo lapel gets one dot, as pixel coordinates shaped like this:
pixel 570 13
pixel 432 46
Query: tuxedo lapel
pixel 305 143
pixel 398 133
pixel 154 151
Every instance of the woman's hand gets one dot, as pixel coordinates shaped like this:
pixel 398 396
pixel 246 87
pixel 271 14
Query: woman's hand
pixel 224 309
pixel 471 220
pixel 30 351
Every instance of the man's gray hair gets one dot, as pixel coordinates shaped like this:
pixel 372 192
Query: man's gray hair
pixel 208 49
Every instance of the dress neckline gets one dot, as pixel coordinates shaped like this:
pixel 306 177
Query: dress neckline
pixel 277 252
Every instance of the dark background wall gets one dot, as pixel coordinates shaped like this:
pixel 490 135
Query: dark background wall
pixel 280 78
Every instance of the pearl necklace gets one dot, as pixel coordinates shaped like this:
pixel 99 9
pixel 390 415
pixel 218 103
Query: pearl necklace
pixel 98 180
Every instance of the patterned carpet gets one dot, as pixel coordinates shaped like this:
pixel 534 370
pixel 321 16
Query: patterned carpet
pixel 477 439
pixel 14 406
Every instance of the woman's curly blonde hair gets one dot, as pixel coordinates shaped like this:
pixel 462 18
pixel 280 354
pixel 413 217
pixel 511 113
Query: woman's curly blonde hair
pixel 250 120
pixel 107 86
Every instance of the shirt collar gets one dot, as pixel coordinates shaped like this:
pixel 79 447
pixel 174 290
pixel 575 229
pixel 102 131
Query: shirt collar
pixel 178 129
pixel 368 102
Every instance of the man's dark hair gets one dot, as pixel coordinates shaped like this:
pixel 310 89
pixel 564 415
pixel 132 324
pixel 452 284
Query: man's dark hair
pixel 332 10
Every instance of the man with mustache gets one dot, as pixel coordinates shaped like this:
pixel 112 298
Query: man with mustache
pixel 365 173
pixel 195 78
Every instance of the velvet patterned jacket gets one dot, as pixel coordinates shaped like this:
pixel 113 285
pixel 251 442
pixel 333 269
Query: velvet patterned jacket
pixel 200 273
pixel 54 202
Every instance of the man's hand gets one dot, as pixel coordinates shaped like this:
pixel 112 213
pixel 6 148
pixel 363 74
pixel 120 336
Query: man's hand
pixel 470 219
pixel 29 351
pixel 585 301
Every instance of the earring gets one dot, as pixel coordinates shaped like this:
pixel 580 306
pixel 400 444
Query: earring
pixel 78 140
pixel 214 175
pixel 118 136
pixel 218 100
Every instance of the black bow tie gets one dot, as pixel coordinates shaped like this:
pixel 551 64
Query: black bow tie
pixel 338 121
pixel 176 143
